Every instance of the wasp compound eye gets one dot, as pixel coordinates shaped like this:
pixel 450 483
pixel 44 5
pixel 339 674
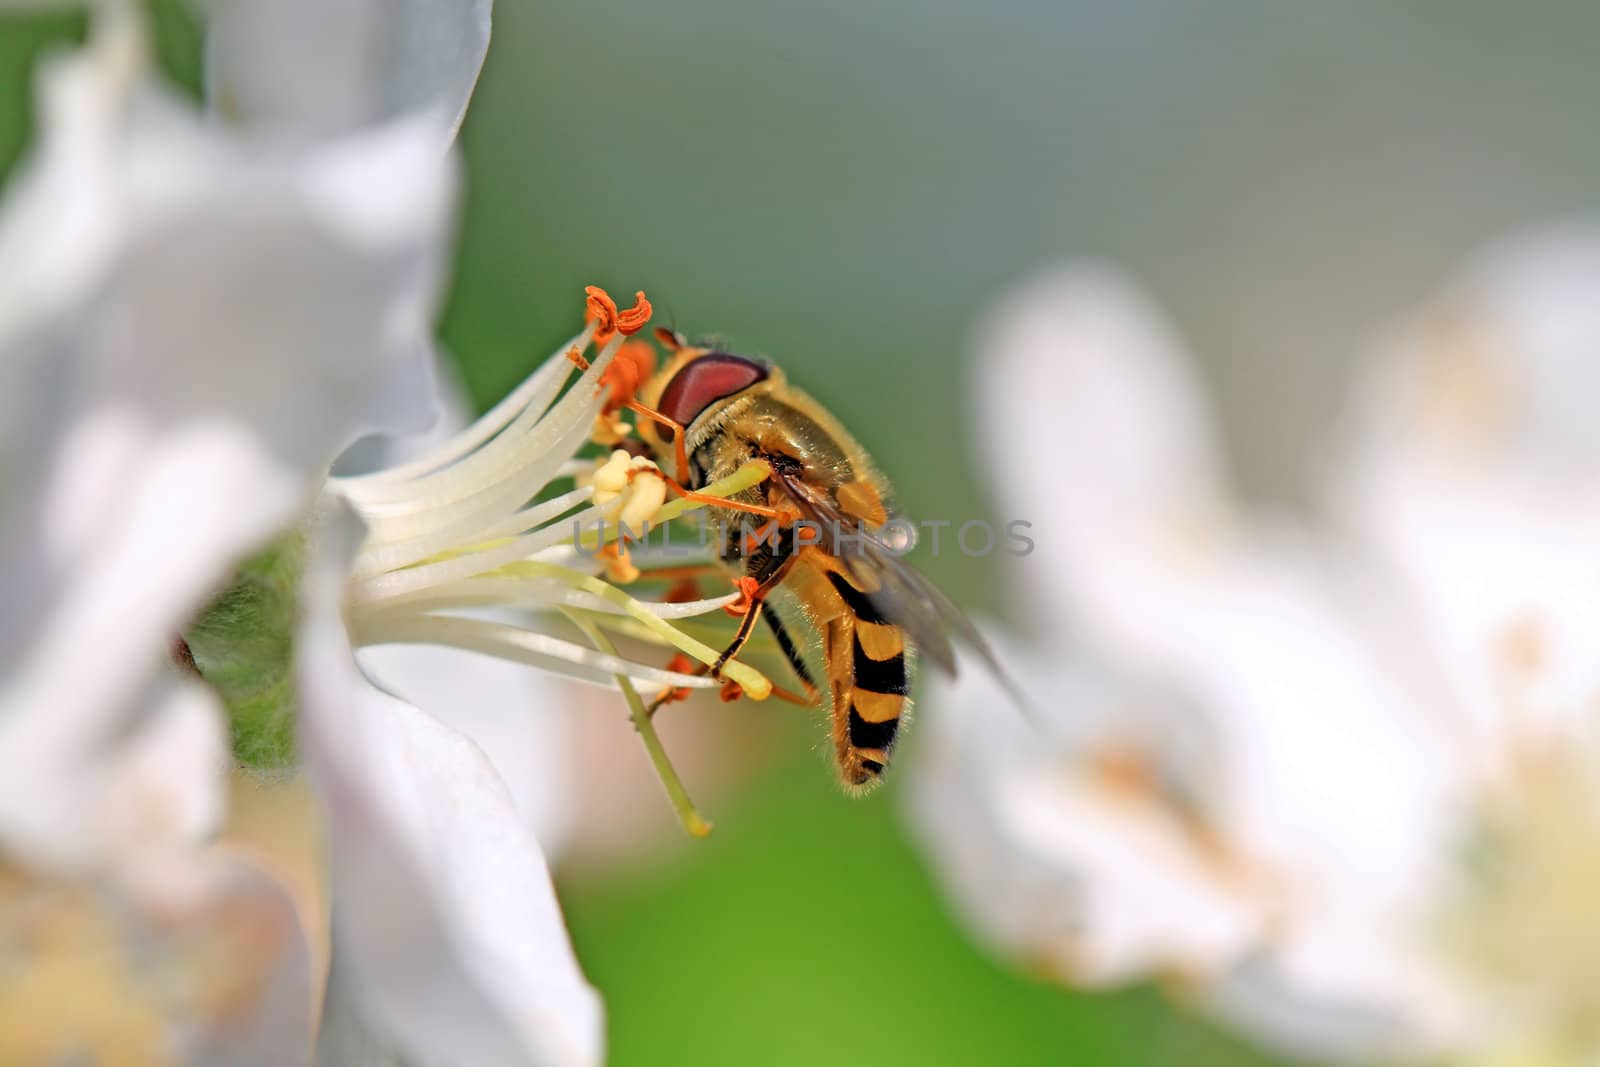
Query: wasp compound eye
pixel 706 380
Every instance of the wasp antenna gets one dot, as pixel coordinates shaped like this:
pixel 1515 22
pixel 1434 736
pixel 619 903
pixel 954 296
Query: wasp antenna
pixel 671 339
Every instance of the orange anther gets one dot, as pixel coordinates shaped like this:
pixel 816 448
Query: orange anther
pixel 633 320
pixel 619 566
pixel 683 592
pixel 598 306
pixel 807 535
pixel 678 664
pixel 608 320
pixel 634 363
pixel 577 360
pixel 747 587
pixel 731 691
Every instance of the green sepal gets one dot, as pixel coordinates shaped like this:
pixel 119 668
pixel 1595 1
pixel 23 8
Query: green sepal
pixel 243 646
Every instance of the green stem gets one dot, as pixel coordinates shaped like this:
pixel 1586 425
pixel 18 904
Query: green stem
pixel 691 818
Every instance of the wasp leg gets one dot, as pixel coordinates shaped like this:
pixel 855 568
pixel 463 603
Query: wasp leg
pixel 747 626
pixel 680 456
pixel 671 695
pixel 812 696
pixel 756 596
pixel 684 491
pixel 680 453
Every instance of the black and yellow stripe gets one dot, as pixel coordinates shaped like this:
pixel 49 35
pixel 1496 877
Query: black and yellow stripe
pixel 860 605
pixel 868 675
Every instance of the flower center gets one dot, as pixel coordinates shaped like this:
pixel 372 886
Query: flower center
pixel 501 540
pixel 1523 922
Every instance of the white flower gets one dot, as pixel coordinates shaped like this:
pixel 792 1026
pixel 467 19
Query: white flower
pixel 1262 764
pixel 454 530
pixel 169 295
pixel 446 938
pixel 341 65
pixel 448 942
pixel 193 323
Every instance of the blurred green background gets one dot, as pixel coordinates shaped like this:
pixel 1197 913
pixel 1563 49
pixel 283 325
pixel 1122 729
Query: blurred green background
pixel 843 187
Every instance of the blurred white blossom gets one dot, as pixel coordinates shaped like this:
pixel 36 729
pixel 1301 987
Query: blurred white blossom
pixel 1334 778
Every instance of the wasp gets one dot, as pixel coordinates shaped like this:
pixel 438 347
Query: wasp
pixel 814 545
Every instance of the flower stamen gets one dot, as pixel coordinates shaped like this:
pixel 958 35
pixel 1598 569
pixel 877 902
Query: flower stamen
pixel 608 320
pixel 678 664
pixel 684 591
pixel 619 564
pixel 632 366
pixel 748 587
pixel 483 523
pixel 629 490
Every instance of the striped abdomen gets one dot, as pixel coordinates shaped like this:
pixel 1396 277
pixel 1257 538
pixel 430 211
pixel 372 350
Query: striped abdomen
pixel 868 674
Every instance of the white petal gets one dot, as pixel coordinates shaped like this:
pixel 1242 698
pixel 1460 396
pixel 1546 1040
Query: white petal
pixel 513 713
pixel 1098 435
pixel 75 800
pixel 1470 466
pixel 1237 618
pixel 1501 360
pixel 237 275
pixel 443 908
pixel 1265 644
pixel 157 278
pixel 292 276
pixel 346 1037
pixel 1337 780
pixel 320 66
pixel 189 331
pixel 1098 881
pixel 60 222
pixel 452 411
pixel 1402 1022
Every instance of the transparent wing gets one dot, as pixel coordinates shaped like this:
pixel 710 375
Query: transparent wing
pixel 896 589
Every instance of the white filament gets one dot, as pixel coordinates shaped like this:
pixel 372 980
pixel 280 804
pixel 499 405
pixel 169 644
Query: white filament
pixel 449 531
